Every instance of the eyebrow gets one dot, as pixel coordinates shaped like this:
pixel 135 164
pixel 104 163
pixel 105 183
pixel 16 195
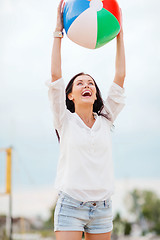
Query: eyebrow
pixel 89 80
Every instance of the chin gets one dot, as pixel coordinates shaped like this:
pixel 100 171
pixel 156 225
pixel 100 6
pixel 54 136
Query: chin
pixel 88 101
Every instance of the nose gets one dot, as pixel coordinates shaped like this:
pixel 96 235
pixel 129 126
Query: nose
pixel 86 85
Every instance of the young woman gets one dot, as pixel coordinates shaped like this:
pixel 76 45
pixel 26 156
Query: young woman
pixel 83 121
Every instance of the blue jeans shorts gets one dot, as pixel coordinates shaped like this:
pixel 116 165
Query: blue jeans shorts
pixel 73 215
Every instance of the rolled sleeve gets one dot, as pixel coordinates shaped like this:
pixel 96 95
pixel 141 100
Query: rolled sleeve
pixel 57 97
pixel 115 101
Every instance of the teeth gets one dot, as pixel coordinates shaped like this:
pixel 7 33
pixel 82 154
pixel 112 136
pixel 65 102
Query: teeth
pixel 86 92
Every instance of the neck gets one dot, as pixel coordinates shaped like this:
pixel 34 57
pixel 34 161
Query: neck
pixel 85 113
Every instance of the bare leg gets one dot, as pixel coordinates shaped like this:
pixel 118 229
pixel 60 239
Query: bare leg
pixel 68 235
pixel 98 236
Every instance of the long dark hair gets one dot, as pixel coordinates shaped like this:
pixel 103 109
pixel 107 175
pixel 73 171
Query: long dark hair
pixel 97 106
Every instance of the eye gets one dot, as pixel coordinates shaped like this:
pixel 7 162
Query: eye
pixel 79 83
pixel 91 83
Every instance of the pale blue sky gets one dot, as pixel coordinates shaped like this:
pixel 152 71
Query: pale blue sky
pixel 25 117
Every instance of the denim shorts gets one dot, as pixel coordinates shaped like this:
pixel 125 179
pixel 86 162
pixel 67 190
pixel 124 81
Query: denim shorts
pixel 73 215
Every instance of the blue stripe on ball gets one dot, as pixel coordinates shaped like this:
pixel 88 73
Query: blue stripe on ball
pixel 72 10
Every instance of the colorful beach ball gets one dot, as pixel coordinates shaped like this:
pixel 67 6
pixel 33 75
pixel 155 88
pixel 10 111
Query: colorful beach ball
pixel 91 23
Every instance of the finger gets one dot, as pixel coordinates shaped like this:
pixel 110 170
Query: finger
pixel 121 19
pixel 63 7
pixel 60 6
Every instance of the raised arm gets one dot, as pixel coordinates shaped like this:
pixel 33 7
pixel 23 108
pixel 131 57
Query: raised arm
pixel 120 68
pixel 56 71
pixel 116 99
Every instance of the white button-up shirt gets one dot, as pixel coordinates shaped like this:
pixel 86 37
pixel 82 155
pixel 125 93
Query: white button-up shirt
pixel 85 167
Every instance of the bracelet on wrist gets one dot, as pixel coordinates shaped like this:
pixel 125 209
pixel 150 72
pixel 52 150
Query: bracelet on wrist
pixel 58 34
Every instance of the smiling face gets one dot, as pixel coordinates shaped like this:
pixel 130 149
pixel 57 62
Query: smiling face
pixel 83 91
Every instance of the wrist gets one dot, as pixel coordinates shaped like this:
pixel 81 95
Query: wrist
pixel 120 34
pixel 58 29
pixel 58 34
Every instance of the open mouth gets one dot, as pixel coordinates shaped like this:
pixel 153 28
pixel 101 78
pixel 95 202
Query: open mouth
pixel 86 93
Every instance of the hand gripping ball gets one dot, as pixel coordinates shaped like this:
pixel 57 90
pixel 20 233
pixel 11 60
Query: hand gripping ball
pixel 91 23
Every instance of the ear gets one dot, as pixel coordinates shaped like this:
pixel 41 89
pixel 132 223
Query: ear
pixel 70 96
